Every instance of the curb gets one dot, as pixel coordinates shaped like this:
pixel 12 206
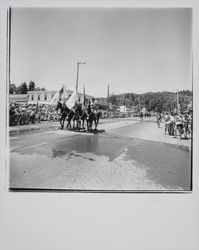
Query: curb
pixel 17 131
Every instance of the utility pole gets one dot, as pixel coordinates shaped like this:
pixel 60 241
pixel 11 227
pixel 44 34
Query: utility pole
pixel 84 101
pixel 78 63
pixel 177 101
pixel 108 96
pixel 9 43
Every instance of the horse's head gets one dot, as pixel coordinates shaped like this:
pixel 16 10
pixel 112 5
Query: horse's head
pixel 58 106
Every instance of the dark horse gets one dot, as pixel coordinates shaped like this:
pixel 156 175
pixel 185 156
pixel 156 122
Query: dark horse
pixel 65 113
pixel 92 116
pixel 80 116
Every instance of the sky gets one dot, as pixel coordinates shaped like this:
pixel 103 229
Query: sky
pixel 132 50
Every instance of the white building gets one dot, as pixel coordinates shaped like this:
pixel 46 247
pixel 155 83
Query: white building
pixel 19 98
pixel 45 97
pixel 41 97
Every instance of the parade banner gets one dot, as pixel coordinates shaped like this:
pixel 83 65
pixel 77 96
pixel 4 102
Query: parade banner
pixel 58 95
pixel 65 94
pixel 72 100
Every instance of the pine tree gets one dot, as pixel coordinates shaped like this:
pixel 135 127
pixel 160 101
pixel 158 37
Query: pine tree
pixel 31 86
pixel 24 88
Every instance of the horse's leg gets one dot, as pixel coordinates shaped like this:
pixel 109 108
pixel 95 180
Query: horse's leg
pixel 60 121
pixel 95 121
pixel 63 121
pixel 91 124
pixel 79 124
pixel 87 124
pixel 73 123
pixel 68 124
pixel 180 132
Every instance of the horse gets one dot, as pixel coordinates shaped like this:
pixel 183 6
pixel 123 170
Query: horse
pixel 76 117
pixel 80 116
pixel 65 112
pixel 92 116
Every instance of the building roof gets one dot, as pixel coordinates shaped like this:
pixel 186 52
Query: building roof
pixel 54 91
pixel 19 98
pixel 42 92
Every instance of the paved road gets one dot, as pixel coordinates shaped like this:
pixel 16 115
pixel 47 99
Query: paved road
pixel 124 155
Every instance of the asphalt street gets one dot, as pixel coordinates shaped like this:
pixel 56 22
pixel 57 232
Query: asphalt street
pixel 121 156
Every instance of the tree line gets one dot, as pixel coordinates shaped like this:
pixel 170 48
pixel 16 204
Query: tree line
pixel 153 101
pixel 23 88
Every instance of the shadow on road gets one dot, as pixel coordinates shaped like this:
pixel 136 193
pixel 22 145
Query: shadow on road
pixel 92 131
pixel 97 131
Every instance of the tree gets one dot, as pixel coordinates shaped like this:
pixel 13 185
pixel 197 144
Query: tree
pixel 24 88
pixel 31 86
pixel 159 106
pixel 12 88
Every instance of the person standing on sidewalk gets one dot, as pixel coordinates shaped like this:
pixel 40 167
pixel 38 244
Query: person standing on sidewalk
pixel 141 115
pixel 158 116
pixel 172 125
pixel 167 124
pixel 178 126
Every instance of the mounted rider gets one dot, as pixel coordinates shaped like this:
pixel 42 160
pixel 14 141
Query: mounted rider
pixel 93 105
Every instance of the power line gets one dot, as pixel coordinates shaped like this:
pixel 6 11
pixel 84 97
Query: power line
pixel 36 60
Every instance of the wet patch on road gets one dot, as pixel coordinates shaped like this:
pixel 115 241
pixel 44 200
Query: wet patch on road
pixel 167 164
pixel 76 145
pixel 101 146
pixel 83 157
pixel 61 154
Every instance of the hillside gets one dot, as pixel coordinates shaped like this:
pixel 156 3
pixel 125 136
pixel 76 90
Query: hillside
pixel 161 101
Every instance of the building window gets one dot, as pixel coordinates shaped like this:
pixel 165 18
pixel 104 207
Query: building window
pixel 32 97
pixel 38 98
pixel 45 97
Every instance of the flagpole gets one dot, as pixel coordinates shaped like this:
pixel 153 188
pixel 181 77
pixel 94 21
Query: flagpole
pixel 77 79
pixel 77 76
pixel 84 102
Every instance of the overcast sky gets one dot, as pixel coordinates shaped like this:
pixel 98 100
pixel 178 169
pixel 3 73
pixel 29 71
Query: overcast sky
pixel 132 50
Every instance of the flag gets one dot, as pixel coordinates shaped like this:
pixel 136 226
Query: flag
pixel 58 95
pixel 65 94
pixel 70 103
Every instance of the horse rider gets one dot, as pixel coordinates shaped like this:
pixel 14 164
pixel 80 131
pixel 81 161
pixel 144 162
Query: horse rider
pixel 93 105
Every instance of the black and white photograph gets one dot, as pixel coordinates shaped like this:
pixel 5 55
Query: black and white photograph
pixel 100 99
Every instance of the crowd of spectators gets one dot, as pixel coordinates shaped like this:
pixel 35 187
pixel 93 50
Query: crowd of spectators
pixel 21 114
pixel 178 124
